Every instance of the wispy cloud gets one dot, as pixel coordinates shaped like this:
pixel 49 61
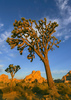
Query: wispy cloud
pixel 4 36
pixel 67 37
pixel 1 25
pixel 63 4
pixel 12 55
pixel 1 68
pixel 62 31
pixel 56 71
pixel 59 71
pixel 0 52
pixel 67 21
pixel 64 7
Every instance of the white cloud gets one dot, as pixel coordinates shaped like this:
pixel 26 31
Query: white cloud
pixel 1 25
pixel 59 71
pixel 63 30
pixel 4 36
pixel 67 37
pixel 56 72
pixel 12 55
pixel 0 52
pixel 64 4
pixel 58 34
pixel 1 68
pixel 67 21
pixel 65 9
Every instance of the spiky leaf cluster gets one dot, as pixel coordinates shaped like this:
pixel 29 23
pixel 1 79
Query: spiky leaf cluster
pixel 39 41
pixel 12 69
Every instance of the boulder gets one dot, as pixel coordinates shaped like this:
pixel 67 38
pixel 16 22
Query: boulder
pixel 34 76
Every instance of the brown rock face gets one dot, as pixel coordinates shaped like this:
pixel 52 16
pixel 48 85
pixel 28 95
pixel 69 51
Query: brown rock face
pixel 34 76
pixel 67 77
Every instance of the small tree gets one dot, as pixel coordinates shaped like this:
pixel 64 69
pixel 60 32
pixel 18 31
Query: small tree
pixel 12 70
pixel 39 41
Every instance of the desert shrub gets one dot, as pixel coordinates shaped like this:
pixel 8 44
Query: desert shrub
pixel 36 89
pixel 25 93
pixel 19 84
pixel 39 91
pixel 23 81
pixel 58 81
pixel 6 89
pixel 1 92
pixel 14 84
pixel 18 88
pixel 2 84
pixel 41 88
pixel 9 84
pixel 64 89
pixel 65 97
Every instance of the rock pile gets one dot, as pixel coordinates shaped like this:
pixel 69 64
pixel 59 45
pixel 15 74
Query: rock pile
pixel 67 78
pixel 34 76
pixel 4 78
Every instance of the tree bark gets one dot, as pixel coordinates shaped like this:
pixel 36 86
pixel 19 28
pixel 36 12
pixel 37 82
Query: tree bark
pixel 11 83
pixel 52 87
pixel 48 74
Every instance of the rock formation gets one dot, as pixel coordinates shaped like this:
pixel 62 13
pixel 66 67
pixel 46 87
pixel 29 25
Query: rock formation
pixel 34 76
pixel 4 78
pixel 67 78
pixel 17 80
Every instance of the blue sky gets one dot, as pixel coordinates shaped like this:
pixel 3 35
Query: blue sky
pixel 53 10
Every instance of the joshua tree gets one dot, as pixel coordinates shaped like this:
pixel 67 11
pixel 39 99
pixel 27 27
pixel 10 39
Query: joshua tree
pixel 12 70
pixel 38 40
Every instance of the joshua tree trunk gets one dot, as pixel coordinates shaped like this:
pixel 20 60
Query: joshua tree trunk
pixel 11 83
pixel 48 74
pixel 50 81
